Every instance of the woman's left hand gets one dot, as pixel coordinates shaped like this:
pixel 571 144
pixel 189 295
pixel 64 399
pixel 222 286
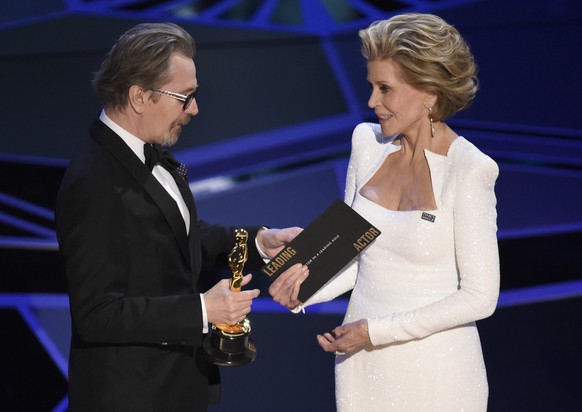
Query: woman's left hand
pixel 346 339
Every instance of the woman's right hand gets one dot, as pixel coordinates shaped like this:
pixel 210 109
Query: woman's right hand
pixel 285 289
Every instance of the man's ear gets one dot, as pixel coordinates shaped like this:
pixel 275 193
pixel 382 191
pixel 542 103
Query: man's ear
pixel 137 98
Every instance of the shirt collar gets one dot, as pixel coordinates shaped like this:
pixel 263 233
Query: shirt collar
pixel 134 142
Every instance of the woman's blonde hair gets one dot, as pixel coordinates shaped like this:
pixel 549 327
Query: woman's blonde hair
pixel 431 56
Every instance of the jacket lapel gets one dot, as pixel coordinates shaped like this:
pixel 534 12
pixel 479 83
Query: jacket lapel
pixel 194 238
pixel 167 206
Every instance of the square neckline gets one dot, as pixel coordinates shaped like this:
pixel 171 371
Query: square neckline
pixel 396 148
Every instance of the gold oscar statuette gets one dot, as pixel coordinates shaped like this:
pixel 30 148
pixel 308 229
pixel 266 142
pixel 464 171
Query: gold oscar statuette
pixel 231 345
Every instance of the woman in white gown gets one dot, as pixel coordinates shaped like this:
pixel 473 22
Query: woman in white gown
pixel 409 341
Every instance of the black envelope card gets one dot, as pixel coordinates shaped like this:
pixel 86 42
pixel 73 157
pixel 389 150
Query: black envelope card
pixel 326 245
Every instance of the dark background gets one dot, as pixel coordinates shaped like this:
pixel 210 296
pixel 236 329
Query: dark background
pixel 282 87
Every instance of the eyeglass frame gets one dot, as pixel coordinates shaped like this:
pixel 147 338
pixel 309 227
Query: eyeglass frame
pixel 187 99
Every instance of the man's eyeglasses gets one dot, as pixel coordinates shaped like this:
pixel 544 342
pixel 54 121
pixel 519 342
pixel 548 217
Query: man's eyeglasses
pixel 182 97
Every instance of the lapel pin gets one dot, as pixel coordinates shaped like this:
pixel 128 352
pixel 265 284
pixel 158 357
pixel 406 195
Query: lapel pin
pixel 428 216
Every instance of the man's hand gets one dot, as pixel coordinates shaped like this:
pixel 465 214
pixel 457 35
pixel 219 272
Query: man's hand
pixel 272 241
pixel 224 306
pixel 285 289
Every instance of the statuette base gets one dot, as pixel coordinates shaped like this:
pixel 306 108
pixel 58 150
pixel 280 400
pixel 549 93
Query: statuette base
pixel 229 350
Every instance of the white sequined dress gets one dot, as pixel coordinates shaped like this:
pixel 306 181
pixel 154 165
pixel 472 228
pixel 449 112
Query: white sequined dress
pixel 421 285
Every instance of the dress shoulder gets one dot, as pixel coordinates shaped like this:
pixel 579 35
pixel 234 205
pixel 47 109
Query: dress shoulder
pixel 368 142
pixel 468 160
pixel 368 133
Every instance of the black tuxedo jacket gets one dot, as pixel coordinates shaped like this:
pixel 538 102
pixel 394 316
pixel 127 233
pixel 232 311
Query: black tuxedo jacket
pixel 132 273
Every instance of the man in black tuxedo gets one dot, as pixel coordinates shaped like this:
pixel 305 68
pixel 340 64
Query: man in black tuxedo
pixel 133 245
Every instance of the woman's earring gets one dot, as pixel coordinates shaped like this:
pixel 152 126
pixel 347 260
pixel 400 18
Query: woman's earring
pixel 432 132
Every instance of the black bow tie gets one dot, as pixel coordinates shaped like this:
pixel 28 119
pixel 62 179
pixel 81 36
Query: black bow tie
pixel 154 155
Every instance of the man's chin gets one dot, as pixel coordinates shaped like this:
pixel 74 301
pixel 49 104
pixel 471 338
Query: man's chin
pixel 170 140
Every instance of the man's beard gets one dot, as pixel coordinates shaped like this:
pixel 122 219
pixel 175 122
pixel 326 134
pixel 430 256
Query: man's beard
pixel 170 138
